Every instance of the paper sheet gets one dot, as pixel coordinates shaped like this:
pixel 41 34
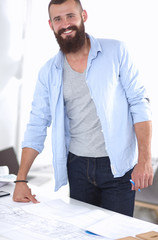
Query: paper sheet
pixel 23 222
pixel 59 220
pixel 84 217
pixel 119 226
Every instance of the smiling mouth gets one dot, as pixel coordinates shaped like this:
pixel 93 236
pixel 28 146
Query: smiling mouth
pixel 68 31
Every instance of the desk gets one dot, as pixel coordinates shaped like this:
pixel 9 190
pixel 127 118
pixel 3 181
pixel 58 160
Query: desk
pixel 58 219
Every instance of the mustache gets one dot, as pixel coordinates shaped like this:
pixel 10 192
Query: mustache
pixel 68 28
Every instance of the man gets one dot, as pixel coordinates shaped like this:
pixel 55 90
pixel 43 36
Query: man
pixel 100 115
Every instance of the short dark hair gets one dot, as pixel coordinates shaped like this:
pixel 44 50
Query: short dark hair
pixel 62 1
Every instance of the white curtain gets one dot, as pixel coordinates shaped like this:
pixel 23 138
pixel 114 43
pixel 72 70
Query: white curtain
pixel 12 29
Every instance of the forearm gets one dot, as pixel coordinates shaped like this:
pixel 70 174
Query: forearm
pixel 22 193
pixel 27 158
pixel 143 132
pixel 142 174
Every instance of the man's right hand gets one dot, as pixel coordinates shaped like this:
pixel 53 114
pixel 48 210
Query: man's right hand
pixel 22 193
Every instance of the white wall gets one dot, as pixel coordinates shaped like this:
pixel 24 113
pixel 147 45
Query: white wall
pixel 133 21
pixel 11 39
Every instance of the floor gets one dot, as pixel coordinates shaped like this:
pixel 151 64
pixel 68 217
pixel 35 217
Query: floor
pixel 43 177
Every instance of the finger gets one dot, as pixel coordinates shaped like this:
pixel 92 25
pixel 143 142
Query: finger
pixel 133 181
pixel 146 182
pixel 137 184
pixel 132 185
pixel 142 182
pixel 32 198
pixel 150 180
pixel 35 198
pixel 25 199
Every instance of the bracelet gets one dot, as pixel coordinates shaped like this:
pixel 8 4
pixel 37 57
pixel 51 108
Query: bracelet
pixel 21 181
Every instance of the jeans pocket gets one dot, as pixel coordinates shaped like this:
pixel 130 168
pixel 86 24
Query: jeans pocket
pixel 71 158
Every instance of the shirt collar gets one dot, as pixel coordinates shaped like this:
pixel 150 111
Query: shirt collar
pixel 95 48
pixel 59 59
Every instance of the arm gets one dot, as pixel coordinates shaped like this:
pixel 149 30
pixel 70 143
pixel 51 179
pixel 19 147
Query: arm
pixel 35 134
pixel 139 107
pixel 22 193
pixel 142 174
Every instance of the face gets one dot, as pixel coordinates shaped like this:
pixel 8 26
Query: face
pixel 67 22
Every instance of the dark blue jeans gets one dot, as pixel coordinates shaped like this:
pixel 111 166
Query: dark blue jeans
pixel 92 181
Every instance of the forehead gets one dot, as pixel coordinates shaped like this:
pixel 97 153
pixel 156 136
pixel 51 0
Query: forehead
pixel 69 6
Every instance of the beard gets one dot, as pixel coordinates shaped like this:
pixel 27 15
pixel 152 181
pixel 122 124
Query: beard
pixel 71 44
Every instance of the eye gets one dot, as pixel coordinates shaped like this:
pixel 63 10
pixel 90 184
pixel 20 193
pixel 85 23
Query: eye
pixel 70 15
pixel 57 19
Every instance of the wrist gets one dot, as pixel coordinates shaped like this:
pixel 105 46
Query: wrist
pixel 21 176
pixel 21 181
pixel 144 157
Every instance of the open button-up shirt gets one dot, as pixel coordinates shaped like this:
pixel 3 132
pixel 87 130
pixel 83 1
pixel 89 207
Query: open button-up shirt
pixel 120 99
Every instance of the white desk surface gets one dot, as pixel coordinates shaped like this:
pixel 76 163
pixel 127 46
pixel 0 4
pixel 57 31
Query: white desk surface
pixel 64 218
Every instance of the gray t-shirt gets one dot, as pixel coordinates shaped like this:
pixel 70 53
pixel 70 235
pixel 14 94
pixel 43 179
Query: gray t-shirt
pixel 85 128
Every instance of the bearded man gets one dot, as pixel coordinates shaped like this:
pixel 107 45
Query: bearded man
pixel 100 114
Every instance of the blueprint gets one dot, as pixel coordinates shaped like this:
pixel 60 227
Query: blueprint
pixel 65 220
pixel 24 223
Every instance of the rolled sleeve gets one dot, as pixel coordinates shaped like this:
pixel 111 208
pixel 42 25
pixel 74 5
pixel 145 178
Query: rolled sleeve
pixel 40 117
pixel 135 91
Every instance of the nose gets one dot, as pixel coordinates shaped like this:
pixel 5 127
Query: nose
pixel 65 23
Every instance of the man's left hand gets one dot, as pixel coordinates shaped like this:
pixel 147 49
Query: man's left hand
pixel 142 175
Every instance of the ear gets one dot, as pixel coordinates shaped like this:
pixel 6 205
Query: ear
pixel 50 24
pixel 84 15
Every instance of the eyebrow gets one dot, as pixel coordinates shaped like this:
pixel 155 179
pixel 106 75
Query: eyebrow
pixel 70 14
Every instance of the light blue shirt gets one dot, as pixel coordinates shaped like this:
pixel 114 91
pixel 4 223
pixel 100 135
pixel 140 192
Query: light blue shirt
pixel 120 99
